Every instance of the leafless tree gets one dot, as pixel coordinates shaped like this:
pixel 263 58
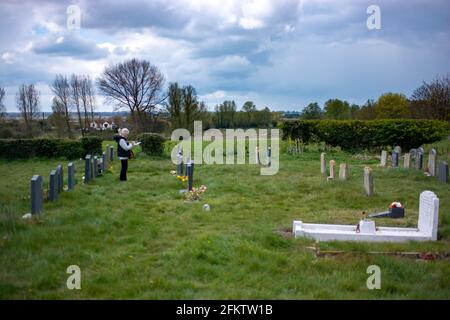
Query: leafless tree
pixel 2 105
pixel 432 100
pixel 28 104
pixel 134 84
pixel 61 89
pixel 75 95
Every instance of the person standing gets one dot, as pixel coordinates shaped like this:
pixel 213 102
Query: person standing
pixel 123 151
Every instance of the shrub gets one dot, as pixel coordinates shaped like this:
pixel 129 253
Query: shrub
pixel 152 144
pixel 355 134
pixel 48 148
pixel 91 145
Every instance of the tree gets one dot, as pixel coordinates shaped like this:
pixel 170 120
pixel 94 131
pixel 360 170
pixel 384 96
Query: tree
pixel 432 100
pixel 61 89
pixel 75 95
pixel 249 108
pixel 354 111
pixel 87 95
pixel 2 105
pixel 134 84
pixel 225 113
pixel 174 105
pixel 337 109
pixel 58 117
pixel 190 106
pixel 312 111
pixel 392 106
pixel 367 111
pixel 28 104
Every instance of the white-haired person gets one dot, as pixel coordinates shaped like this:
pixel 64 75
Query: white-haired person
pixel 123 151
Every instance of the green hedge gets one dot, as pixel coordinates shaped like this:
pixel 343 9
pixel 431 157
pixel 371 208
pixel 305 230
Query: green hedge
pixel 356 135
pixel 152 144
pixel 49 148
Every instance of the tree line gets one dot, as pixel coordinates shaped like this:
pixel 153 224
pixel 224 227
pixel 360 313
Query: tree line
pixel 430 101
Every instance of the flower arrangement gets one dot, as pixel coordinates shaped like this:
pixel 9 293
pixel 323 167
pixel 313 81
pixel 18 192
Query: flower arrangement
pixel 182 178
pixel 195 193
pixel 395 205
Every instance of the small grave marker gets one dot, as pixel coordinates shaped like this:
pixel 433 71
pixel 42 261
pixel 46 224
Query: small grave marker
pixel 53 187
pixel 343 172
pixel 70 176
pixel 36 194
pixel 368 181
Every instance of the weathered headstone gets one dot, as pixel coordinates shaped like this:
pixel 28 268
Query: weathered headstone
pixel 368 181
pixel 332 170
pixel 180 163
pixel 95 167
pixel 70 176
pixel 36 194
pixel 257 158
pixel 53 186
pixel 432 162
pixel 323 164
pixel 394 159
pixel 60 173
pixel 398 149
pixel 407 160
pixel 443 172
pixel 383 158
pixel 343 172
pixel 87 169
pixel 419 160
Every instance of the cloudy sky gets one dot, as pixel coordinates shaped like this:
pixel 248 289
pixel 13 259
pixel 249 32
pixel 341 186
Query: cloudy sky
pixel 281 53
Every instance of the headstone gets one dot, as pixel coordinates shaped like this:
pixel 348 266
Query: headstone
pixel 87 169
pixel 398 149
pixel 70 176
pixel 269 156
pixel 104 162
pixel 419 160
pixel 95 167
pixel 189 174
pixel 180 163
pixel 60 173
pixel 332 170
pixel 407 160
pixel 394 159
pixel 443 172
pixel 383 158
pixel 36 194
pixel 111 153
pixel 257 159
pixel 53 187
pixel 432 162
pixel 323 164
pixel 343 171
pixel 368 181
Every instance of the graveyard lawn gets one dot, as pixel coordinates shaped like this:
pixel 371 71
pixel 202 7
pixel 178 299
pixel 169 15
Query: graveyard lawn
pixel 140 239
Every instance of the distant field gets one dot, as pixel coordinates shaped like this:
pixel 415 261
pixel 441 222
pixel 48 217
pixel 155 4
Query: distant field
pixel 141 240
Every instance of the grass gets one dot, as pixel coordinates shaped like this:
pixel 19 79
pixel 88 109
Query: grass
pixel 141 240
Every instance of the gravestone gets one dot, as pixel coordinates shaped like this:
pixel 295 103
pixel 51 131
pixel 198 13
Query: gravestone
pixel 432 162
pixel 111 153
pixel 180 163
pixel 398 149
pixel 368 181
pixel 95 167
pixel 394 159
pixel 189 174
pixel 36 194
pixel 53 187
pixel 269 156
pixel 443 172
pixel 383 158
pixel 332 170
pixel 104 162
pixel 70 176
pixel 323 164
pixel 60 173
pixel 407 160
pixel 87 169
pixel 257 159
pixel 343 172
pixel 419 159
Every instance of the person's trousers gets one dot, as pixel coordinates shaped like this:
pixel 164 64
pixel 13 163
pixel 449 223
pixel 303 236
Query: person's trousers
pixel 123 170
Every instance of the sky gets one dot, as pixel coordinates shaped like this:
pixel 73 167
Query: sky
pixel 282 54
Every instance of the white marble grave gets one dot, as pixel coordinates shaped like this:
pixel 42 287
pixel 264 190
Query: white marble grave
pixel 366 231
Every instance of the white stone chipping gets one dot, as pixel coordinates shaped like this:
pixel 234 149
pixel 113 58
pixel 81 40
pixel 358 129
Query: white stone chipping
pixel 366 231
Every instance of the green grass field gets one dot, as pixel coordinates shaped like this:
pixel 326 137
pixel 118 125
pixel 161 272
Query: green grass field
pixel 140 239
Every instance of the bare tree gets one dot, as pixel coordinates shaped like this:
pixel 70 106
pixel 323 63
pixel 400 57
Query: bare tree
pixel 28 104
pixel 432 100
pixel 61 89
pixel 75 95
pixel 2 105
pixel 134 84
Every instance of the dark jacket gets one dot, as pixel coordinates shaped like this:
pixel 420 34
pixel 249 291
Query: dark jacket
pixel 120 151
